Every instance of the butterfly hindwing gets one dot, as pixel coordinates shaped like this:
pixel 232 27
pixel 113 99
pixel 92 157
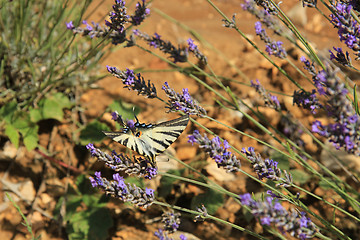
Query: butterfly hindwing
pixel 152 139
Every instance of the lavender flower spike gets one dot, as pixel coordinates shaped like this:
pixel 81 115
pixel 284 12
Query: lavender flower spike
pixel 309 3
pixel 340 57
pixel 182 102
pixel 267 168
pixel 345 131
pixel 126 192
pixel 203 214
pixel 272 47
pixel 268 20
pixel 134 82
pixel 162 235
pixel 194 49
pixel 220 154
pixel 268 6
pixel 97 31
pixel 176 53
pixel 141 13
pixel 121 162
pixel 119 17
pixel 348 27
pixel 171 221
pixel 270 211
pixel 307 100
pixel 270 100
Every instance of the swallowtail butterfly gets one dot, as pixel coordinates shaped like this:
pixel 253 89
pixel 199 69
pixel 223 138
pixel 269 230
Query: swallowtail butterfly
pixel 149 140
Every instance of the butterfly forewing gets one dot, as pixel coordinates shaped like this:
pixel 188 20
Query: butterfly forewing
pixel 153 140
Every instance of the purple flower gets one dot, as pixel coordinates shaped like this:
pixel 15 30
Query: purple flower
pixel 134 82
pixel 267 19
pixel 273 195
pixel 141 13
pixel 69 25
pixel 272 47
pixel 182 237
pixel 270 100
pixel 348 27
pixel 344 131
pixel 231 23
pixel 268 6
pixel 194 49
pixel 176 53
pixel 309 3
pixel 171 221
pixel 307 100
pixel 121 162
pixel 267 168
pixel 162 235
pixel 270 211
pixel 126 192
pixel 309 66
pixel 119 17
pixel 203 214
pixel 97 31
pixel 220 154
pixel 182 102
pixel 340 57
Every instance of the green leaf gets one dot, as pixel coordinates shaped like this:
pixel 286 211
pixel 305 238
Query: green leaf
pixel 52 110
pixel 100 221
pixel 22 120
pixel 13 134
pixel 93 132
pixel 31 137
pixel 124 109
pixel 90 224
pixel 299 176
pixel 8 110
pixel 62 100
pixel 211 199
pixel 166 183
pixel 283 161
pixel 35 115
pixel 27 128
pixel 51 107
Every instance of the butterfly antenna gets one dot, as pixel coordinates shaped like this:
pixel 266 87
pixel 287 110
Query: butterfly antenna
pixel 120 120
pixel 137 120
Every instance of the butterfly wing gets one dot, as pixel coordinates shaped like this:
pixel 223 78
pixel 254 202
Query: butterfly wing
pixel 152 140
pixel 162 135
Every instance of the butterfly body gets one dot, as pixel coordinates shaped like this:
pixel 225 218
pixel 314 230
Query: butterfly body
pixel 149 140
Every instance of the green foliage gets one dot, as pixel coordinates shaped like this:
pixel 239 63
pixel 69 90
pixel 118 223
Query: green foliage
pixel 300 176
pixel 41 67
pixel 23 124
pixel 93 220
pixel 211 199
pixel 126 110
pixel 93 132
pixel 167 183
pixel 51 108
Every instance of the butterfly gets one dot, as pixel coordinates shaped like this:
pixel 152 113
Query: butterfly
pixel 149 140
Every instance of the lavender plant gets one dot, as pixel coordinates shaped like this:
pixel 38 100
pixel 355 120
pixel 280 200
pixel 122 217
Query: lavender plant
pixel 307 199
pixel 41 75
pixel 329 95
